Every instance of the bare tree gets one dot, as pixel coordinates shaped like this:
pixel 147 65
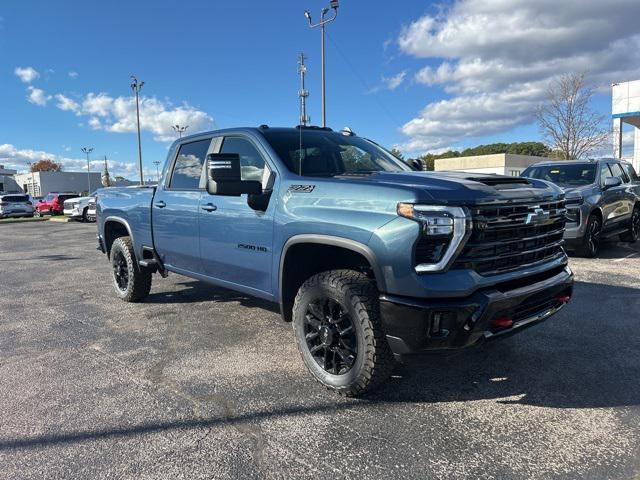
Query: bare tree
pixel 567 120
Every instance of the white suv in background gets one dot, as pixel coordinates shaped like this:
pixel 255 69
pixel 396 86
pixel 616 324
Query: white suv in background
pixel 15 205
pixel 78 208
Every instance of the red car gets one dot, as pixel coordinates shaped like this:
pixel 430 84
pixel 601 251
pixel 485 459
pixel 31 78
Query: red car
pixel 53 203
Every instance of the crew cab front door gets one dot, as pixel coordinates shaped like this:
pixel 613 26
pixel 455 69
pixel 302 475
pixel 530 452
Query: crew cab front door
pixel 236 241
pixel 175 209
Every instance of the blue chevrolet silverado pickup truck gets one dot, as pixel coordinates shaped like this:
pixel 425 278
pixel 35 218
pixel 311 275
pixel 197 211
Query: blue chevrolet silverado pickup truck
pixel 371 260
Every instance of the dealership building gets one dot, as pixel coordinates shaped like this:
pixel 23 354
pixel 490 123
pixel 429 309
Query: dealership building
pixel 39 184
pixel 7 181
pixel 499 163
pixel 625 110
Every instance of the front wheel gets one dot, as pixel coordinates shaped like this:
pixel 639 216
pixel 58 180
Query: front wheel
pixel 131 282
pixel 591 241
pixel 633 233
pixel 338 330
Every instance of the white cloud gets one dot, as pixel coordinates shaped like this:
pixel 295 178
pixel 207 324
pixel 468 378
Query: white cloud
pixel 26 74
pixel 37 96
pixel 67 104
pixel 395 81
pixel 13 157
pixel 496 60
pixel 390 83
pixel 73 74
pixel 118 114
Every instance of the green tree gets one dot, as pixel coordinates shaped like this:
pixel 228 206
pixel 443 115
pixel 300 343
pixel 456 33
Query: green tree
pixel 397 153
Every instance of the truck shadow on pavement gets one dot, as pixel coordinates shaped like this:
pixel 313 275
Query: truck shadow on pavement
pixel 587 356
pixel 194 291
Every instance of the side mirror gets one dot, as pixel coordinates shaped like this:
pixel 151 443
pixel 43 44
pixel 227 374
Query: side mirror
pixel 417 164
pixel 610 182
pixel 224 176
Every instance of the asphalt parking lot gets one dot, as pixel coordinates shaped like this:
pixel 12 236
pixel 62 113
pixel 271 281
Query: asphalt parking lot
pixel 200 382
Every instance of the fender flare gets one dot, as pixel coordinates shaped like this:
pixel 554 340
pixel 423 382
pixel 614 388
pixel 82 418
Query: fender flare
pixel 125 224
pixel 341 242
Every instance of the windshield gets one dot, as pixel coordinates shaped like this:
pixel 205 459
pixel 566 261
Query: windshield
pixel 572 174
pixel 327 154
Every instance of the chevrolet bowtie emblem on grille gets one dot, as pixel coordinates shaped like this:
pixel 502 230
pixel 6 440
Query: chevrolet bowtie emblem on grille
pixel 538 217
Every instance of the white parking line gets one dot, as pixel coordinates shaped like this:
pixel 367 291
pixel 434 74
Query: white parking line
pixel 624 258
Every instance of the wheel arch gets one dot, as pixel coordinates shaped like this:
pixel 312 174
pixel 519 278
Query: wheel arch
pixel 328 252
pixel 113 228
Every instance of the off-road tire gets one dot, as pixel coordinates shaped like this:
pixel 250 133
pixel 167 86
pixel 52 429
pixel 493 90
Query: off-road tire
pixel 589 247
pixel 138 282
pixel 633 233
pixel 357 296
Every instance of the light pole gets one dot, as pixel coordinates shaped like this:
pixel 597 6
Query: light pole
pixel 179 130
pixel 157 163
pixel 333 4
pixel 31 189
pixel 136 87
pixel 87 151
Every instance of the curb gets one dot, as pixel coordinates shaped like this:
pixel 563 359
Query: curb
pixel 22 220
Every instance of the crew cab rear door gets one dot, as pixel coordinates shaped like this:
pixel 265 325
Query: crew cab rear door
pixel 236 241
pixel 175 208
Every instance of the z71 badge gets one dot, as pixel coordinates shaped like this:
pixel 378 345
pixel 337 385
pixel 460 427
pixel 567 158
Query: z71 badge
pixel 301 188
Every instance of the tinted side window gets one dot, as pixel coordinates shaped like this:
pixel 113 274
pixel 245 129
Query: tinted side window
pixel 616 169
pixel 631 173
pixel 188 166
pixel 604 173
pixel 251 162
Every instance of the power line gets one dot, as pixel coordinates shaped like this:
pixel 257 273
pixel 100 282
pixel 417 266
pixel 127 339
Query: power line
pixel 361 80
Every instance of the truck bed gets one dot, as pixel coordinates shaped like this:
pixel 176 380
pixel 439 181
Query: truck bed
pixel 131 204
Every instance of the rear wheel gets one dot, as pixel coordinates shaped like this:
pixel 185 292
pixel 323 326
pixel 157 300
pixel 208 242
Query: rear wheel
pixel 591 241
pixel 336 320
pixel 131 282
pixel 633 233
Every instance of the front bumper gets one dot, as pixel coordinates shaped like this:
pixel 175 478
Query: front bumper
pixel 416 325
pixel 72 213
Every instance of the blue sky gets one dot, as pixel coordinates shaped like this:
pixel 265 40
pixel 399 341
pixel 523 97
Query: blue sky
pixel 403 73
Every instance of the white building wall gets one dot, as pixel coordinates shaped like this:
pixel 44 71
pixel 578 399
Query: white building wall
pixel 40 184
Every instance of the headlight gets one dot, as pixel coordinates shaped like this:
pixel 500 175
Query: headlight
pixel 443 231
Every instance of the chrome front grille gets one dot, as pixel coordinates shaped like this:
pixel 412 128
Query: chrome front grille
pixel 508 237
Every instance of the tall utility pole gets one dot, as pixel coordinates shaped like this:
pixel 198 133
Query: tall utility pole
pixel 87 151
pixel 157 163
pixel 333 4
pixel 179 130
pixel 136 87
pixel 303 93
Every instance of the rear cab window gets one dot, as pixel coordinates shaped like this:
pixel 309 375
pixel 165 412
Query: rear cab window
pixel 630 171
pixel 616 169
pixel 187 168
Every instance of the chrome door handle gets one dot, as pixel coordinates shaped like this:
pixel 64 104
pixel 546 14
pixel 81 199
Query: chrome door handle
pixel 161 204
pixel 209 207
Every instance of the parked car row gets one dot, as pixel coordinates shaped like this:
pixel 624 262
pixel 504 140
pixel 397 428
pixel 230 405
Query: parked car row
pixel 54 203
pixel 602 200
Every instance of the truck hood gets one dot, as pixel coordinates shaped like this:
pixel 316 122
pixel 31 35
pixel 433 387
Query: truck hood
pixel 463 188
pixel 577 192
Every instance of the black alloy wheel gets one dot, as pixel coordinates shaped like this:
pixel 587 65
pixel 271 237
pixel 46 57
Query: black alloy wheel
pixel 330 336
pixel 592 236
pixel 633 234
pixel 120 271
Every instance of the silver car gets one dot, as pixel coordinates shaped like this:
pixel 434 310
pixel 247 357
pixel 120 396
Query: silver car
pixel 15 205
